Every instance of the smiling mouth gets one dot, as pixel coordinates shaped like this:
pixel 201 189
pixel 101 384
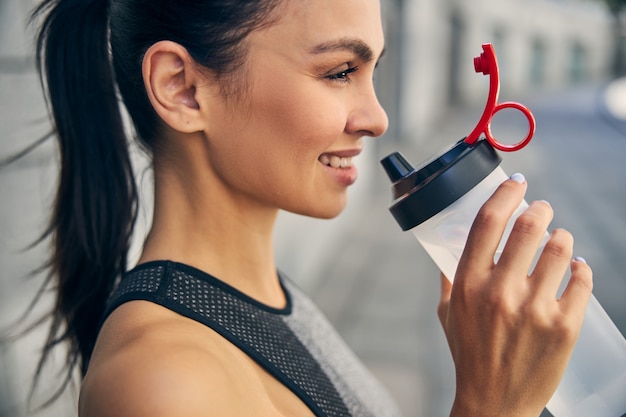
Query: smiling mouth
pixel 335 161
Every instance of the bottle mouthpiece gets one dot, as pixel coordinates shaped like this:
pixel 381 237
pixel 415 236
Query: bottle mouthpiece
pixel 396 166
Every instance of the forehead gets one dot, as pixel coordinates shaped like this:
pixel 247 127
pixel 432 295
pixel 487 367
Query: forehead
pixel 317 26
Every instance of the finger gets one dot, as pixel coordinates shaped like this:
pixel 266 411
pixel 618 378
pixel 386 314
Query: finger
pixel 523 242
pixel 553 263
pixel 578 290
pixel 489 225
pixel 444 301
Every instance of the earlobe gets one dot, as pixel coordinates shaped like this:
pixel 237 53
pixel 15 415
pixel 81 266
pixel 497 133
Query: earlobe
pixel 170 81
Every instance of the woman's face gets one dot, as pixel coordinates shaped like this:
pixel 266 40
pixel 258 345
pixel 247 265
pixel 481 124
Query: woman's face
pixel 289 140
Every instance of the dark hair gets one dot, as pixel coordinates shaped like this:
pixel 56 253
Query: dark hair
pixel 96 201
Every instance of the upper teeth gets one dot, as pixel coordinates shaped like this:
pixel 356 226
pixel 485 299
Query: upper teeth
pixel 336 161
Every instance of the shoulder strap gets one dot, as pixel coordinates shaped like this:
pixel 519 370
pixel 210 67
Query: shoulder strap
pixel 259 331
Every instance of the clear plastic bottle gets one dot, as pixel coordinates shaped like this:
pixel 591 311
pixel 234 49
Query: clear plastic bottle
pixel 438 202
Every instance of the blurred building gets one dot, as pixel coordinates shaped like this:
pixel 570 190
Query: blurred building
pixel 428 70
pixel 540 44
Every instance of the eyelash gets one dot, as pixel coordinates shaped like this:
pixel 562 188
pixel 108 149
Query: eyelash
pixel 343 76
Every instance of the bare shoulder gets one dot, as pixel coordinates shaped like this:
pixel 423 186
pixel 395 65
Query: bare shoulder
pixel 151 362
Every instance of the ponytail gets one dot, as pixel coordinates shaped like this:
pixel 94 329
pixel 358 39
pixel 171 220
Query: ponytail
pixel 96 201
pixel 95 205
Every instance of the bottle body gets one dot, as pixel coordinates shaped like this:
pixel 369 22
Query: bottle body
pixel 444 235
pixel 594 383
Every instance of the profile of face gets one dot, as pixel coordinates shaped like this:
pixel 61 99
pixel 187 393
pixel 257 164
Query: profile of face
pixel 289 138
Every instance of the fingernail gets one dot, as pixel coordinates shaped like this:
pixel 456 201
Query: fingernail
pixel 517 177
pixel 580 259
pixel 545 202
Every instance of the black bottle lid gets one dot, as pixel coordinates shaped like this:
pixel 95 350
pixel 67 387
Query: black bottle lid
pixel 420 193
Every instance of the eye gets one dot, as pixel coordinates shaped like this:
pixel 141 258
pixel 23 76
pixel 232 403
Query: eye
pixel 343 75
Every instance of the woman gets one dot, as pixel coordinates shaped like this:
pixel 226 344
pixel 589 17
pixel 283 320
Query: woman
pixel 248 107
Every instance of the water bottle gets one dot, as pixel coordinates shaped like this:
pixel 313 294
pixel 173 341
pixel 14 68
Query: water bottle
pixel 438 202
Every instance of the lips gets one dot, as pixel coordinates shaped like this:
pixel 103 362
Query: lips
pixel 339 159
pixel 340 166
pixel 336 161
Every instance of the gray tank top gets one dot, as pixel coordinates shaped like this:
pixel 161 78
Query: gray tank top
pixel 296 344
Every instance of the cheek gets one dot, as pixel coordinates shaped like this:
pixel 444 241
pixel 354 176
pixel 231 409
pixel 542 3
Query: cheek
pixel 272 143
pixel 305 120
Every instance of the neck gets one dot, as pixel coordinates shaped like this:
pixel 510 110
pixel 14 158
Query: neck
pixel 200 222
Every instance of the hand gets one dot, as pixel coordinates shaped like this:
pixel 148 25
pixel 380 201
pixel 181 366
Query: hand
pixel 510 337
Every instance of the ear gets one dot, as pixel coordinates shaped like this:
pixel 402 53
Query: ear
pixel 170 78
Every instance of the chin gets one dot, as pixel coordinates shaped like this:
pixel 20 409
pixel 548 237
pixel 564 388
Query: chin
pixel 319 211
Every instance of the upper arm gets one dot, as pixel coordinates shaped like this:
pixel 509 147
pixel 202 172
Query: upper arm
pixel 150 362
pixel 181 383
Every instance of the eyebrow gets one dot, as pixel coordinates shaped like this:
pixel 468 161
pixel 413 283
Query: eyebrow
pixel 356 46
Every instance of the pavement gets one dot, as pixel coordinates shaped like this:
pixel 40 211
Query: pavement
pixel 374 282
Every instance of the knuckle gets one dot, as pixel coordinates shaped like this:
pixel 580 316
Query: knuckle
pixel 463 295
pixel 560 244
pixel 563 235
pixel 489 216
pixel 549 322
pixel 583 281
pixel 536 314
pixel 501 305
pixel 529 224
pixel 558 250
pixel 564 330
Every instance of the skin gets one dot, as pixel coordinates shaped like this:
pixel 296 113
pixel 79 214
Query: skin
pixel 224 167
pixel 509 335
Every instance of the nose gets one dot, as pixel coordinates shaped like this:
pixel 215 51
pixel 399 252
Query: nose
pixel 368 118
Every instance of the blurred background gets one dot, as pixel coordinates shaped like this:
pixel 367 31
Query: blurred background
pixel 564 59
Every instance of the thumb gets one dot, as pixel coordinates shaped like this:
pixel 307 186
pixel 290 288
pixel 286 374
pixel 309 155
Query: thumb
pixel 444 301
